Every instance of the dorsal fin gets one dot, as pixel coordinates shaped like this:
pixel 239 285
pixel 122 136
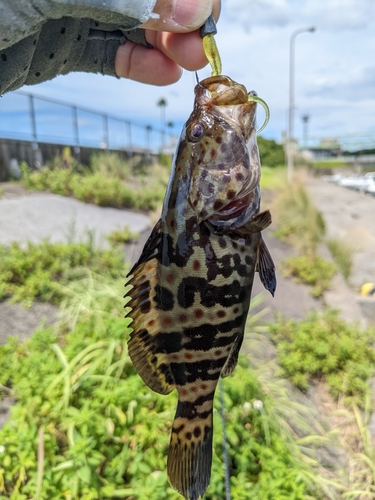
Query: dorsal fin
pixel 151 248
pixel 266 267
pixel 149 361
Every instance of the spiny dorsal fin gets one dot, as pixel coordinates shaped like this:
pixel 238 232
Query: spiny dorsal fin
pixel 266 267
pixel 151 248
pixel 149 361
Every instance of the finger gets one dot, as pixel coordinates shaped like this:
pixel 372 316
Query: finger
pixel 186 49
pixel 180 16
pixel 145 65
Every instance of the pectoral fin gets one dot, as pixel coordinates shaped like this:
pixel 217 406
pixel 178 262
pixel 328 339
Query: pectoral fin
pixel 232 360
pixel 255 225
pixel 266 267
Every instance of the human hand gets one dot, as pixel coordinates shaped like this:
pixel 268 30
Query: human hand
pixel 176 41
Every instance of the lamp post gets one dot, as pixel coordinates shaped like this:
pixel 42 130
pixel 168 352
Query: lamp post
pixel 290 152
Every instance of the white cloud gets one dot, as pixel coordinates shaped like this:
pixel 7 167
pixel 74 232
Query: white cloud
pixel 332 15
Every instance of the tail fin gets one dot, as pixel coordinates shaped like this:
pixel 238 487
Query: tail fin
pixel 190 452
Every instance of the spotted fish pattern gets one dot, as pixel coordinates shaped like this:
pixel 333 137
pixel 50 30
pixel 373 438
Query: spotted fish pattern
pixel 192 283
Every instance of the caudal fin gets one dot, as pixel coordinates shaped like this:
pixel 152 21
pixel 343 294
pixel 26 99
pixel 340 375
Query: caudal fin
pixel 190 452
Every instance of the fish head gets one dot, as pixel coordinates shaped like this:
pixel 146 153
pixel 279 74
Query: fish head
pixel 225 169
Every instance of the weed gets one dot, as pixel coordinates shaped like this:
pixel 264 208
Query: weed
pixel 299 222
pixel 32 272
pixel 110 165
pixel 325 347
pixel 102 433
pixel 310 270
pixel 343 255
pixel 121 236
pixel 104 185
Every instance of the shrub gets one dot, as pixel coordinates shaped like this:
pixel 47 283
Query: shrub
pixel 326 347
pixel 101 433
pixel 121 236
pixel 32 272
pixel 110 165
pixel 104 434
pixel 104 186
pixel 311 270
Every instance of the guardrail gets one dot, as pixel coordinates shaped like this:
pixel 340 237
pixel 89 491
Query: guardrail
pixel 28 117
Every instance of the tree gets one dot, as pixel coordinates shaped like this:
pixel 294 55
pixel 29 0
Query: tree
pixel 271 154
pixel 162 103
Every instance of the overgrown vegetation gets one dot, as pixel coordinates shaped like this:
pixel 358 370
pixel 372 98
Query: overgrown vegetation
pixel 311 270
pixel 101 433
pixel 298 221
pixel 301 224
pixel 327 348
pixel 121 236
pixel 273 178
pixel 37 271
pixel 108 181
pixel 342 254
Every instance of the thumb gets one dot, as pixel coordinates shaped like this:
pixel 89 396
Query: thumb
pixel 179 16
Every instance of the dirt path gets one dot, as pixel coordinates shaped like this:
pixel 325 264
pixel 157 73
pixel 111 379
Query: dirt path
pixel 349 216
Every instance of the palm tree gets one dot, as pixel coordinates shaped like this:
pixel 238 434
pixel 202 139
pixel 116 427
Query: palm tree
pixel 162 103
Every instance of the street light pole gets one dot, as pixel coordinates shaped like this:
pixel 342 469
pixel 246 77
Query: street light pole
pixel 290 151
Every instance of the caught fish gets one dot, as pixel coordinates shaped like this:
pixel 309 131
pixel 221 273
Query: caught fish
pixel 192 283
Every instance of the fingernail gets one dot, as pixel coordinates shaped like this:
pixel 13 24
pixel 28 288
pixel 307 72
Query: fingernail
pixel 191 13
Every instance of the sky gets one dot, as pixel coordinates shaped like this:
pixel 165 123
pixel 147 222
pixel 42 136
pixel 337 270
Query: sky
pixel 334 70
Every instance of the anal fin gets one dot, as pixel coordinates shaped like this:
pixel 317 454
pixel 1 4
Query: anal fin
pixel 266 267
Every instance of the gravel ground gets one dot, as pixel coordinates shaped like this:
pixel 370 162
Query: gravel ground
pixel 26 216
pixel 36 216
pixel 349 216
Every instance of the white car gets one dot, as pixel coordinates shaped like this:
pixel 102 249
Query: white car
pixel 335 178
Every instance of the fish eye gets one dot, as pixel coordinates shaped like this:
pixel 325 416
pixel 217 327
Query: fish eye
pixel 196 132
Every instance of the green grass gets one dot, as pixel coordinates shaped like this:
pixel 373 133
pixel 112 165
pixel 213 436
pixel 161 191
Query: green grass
pixel 273 178
pixel 103 434
pixel 342 254
pixel 331 164
pixel 121 236
pixel 37 271
pixel 298 221
pixel 311 270
pixel 326 348
pixel 109 181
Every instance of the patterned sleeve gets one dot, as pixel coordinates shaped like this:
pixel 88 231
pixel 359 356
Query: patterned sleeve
pixel 85 38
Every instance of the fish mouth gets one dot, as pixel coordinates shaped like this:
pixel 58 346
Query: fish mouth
pixel 232 210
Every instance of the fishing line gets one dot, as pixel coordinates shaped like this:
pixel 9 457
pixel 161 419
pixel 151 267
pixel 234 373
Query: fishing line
pixel 225 441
